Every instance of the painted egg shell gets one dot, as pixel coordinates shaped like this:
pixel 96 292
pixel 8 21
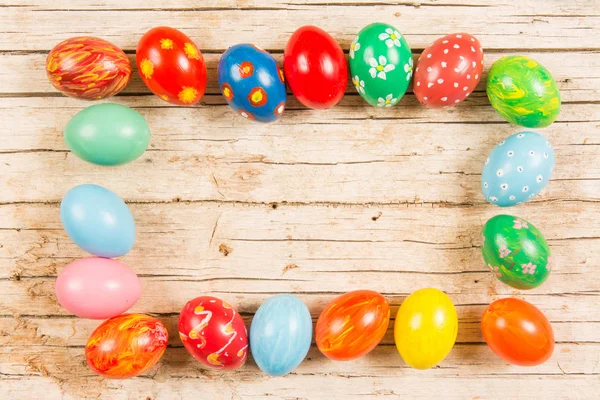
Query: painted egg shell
pixel 352 325
pixel 280 334
pixel 126 346
pixel 107 134
pixel 213 333
pixel 516 252
pixel 98 221
pixel 315 68
pixel 252 83
pixel 517 169
pixel 448 70
pixel 523 92
pixel 97 288
pixel 518 332
pixel 426 328
pixel 381 64
pixel 88 68
pixel 171 65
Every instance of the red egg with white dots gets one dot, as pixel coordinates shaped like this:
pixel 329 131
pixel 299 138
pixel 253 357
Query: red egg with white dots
pixel 448 70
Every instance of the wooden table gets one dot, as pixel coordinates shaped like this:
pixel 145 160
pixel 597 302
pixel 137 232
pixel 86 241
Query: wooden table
pixel 317 204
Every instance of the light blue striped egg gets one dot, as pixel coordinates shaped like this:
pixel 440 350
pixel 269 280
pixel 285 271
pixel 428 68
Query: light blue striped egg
pixel 517 169
pixel 280 334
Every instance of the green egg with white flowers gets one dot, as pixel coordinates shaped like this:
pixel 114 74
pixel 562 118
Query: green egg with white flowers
pixel 107 134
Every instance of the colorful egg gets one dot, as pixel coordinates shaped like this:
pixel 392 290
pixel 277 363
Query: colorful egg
pixel 280 334
pixel 516 252
pixel 381 64
pixel 315 68
pixel 426 328
pixel 517 169
pixel 448 70
pixel 213 333
pixel 126 346
pixel 352 325
pixel 171 65
pixel 252 83
pixel 518 332
pixel 107 134
pixel 97 288
pixel 523 92
pixel 88 68
pixel 98 221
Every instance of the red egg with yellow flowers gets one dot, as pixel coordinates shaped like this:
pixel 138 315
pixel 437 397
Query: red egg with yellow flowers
pixel 172 66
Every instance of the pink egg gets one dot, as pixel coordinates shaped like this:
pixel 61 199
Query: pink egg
pixel 97 288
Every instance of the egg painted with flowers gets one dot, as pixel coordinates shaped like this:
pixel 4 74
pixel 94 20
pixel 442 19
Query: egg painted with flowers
pixel 448 70
pixel 516 252
pixel 381 64
pixel 517 169
pixel 213 332
pixel 171 65
pixel 252 83
pixel 523 92
pixel 88 68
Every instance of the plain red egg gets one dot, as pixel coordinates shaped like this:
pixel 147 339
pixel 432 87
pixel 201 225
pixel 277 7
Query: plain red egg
pixel 448 70
pixel 315 68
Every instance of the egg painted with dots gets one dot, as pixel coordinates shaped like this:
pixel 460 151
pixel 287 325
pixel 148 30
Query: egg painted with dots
pixel 448 70
pixel 252 83
pixel 381 64
pixel 517 169
pixel 523 92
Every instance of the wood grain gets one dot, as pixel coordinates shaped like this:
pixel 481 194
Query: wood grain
pixel 319 203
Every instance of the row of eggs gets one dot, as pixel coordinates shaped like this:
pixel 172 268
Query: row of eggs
pixel 281 332
pixel 316 70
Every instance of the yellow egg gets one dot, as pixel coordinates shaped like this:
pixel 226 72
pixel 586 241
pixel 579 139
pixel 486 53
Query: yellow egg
pixel 426 328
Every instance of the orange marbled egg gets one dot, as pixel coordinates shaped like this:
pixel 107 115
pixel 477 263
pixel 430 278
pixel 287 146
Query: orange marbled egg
pixel 88 68
pixel 352 325
pixel 126 346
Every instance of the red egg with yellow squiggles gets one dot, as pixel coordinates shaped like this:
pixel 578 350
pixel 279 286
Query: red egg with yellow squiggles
pixel 213 332
pixel 126 346
pixel 171 65
pixel 88 68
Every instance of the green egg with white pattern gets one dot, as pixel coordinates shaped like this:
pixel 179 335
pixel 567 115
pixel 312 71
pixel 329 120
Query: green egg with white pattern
pixel 381 64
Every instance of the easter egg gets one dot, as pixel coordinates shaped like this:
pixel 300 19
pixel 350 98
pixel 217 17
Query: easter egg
pixel 523 92
pixel 88 68
pixel 448 70
pixel 171 65
pixel 280 334
pixel 518 332
pixel 213 333
pixel 381 64
pixel 252 83
pixel 426 328
pixel 315 68
pixel 107 134
pixel 517 169
pixel 126 346
pixel 97 288
pixel 97 220
pixel 516 252
pixel 352 325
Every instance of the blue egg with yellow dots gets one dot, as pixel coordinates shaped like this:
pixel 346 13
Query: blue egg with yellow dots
pixel 280 334
pixel 252 83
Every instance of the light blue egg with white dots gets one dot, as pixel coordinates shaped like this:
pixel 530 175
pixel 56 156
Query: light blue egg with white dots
pixel 517 169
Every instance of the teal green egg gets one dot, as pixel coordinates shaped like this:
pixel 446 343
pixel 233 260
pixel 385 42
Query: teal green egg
pixel 516 252
pixel 107 134
pixel 523 92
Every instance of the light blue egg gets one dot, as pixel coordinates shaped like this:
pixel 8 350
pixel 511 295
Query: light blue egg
pixel 517 169
pixel 98 221
pixel 280 334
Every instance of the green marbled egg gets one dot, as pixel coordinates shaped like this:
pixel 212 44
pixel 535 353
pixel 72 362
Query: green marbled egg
pixel 523 92
pixel 516 252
